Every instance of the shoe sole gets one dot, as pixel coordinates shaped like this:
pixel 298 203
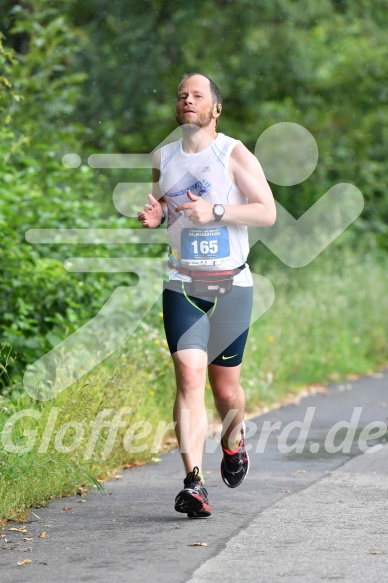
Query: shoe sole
pixel 192 505
pixel 196 515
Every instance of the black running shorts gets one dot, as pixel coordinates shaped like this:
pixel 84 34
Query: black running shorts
pixel 219 326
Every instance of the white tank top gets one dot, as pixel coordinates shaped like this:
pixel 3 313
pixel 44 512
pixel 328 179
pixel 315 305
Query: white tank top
pixel 214 246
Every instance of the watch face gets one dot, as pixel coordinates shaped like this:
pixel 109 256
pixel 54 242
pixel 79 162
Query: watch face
pixel 218 210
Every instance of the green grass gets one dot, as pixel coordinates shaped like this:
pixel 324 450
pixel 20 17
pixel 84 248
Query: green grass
pixel 328 320
pixel 135 381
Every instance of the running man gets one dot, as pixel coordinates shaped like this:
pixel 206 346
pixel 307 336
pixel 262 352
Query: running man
pixel 210 188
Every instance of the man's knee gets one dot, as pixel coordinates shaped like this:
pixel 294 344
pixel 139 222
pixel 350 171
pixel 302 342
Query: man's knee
pixel 226 392
pixel 190 370
pixel 190 358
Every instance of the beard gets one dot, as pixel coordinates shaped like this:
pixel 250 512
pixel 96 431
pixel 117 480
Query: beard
pixel 202 120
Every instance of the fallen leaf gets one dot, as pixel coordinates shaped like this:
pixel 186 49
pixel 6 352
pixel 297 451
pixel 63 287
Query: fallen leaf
pixel 287 491
pixel 197 545
pixel 66 508
pixel 317 388
pixel 136 464
pixel 352 377
pixel 43 534
pixel 23 529
pixel 81 491
pixel 28 538
pixel 25 562
pixel 375 552
pixel 81 501
pixel 300 471
pixel 22 517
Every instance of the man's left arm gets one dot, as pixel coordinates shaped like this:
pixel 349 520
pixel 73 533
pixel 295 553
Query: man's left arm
pixel 248 175
pixel 246 172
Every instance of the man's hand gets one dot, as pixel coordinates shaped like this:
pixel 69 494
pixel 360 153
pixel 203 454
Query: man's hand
pixel 151 215
pixel 198 211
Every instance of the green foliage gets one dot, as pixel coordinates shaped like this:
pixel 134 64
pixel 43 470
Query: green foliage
pixel 322 64
pixel 135 385
pixel 40 303
pixel 328 320
pixel 84 76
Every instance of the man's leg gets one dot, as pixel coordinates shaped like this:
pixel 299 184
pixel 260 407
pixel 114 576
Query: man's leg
pixel 187 331
pixel 191 427
pixel 229 399
pixel 189 408
pixel 228 335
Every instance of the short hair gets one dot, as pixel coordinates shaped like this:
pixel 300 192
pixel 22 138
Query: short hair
pixel 216 93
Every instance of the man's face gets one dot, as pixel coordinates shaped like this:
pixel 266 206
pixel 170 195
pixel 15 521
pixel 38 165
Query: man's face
pixel 195 103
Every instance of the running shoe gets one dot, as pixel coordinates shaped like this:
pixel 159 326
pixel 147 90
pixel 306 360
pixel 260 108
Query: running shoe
pixel 193 499
pixel 235 464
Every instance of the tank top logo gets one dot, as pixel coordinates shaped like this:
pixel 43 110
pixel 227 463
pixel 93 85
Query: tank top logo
pixel 189 182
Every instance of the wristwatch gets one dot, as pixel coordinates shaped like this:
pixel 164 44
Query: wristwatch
pixel 218 212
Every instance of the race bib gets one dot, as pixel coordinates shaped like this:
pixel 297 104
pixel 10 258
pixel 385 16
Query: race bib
pixel 204 246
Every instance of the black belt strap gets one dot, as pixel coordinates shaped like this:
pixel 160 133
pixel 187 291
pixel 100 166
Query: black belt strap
pixel 189 271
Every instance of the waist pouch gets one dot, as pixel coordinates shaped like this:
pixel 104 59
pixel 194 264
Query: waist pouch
pixel 211 283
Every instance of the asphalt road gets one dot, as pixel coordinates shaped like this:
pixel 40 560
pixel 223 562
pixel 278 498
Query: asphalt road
pixel 310 516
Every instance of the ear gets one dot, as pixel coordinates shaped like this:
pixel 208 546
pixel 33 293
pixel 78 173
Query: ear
pixel 217 111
